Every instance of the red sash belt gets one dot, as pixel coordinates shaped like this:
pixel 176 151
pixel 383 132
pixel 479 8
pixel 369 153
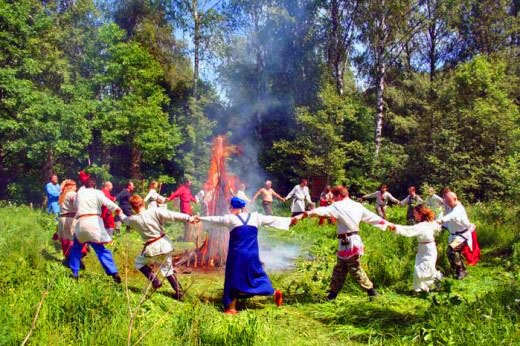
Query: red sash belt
pixel 151 241
pixel 85 215
pixel 68 215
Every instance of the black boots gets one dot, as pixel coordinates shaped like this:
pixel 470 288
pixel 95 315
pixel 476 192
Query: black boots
pixel 116 278
pixel 147 271
pixel 332 296
pixel 372 293
pixel 461 273
pixel 176 287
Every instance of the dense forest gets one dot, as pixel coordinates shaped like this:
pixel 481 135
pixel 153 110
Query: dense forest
pixel 361 91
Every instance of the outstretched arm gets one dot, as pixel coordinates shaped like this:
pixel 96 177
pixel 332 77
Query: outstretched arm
pixel 256 195
pixel 404 201
pixel 374 220
pixel 370 195
pixel 274 221
pixel 392 198
pixel 278 196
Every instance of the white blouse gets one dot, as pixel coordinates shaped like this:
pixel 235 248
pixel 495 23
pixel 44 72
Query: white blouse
pixel 231 221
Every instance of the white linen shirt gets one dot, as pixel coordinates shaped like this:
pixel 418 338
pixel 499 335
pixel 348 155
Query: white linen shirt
pixel 231 221
pixel 382 198
pixel 299 195
pixel 456 220
pixel 152 198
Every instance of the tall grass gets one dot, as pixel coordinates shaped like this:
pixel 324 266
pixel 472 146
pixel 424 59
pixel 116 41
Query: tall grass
pixel 484 308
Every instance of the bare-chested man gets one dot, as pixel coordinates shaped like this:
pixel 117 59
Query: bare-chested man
pixel 267 197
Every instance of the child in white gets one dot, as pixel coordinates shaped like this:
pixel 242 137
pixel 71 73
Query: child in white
pixel 425 273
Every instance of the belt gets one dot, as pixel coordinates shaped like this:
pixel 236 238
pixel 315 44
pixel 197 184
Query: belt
pixel 461 232
pixel 426 242
pixel 68 215
pixel 85 215
pixel 344 235
pixel 151 241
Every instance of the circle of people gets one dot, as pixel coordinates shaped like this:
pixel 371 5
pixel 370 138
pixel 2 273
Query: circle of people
pixel 85 218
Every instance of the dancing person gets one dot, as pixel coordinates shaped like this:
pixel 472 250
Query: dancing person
pixel 122 199
pixel 244 276
pixel 106 215
pixel 90 229
pixel 83 177
pixel 153 198
pixel 412 200
pixel 425 274
pixel 326 199
pixel 299 195
pixel 158 248
pixel 185 197
pixel 350 246
pixel 53 191
pixel 67 221
pixel 241 192
pixel 382 196
pixel 445 205
pixel 457 222
pixel 267 193
pixel 435 203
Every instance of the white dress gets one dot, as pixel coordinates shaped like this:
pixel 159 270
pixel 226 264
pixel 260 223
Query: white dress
pixel 150 225
pixel 299 195
pixel 152 198
pixel 425 273
pixel 90 228
pixel 349 214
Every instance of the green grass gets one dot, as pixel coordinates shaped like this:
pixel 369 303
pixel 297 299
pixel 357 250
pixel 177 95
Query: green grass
pixel 482 309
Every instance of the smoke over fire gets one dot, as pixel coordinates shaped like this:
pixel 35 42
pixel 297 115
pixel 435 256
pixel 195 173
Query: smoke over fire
pixel 218 190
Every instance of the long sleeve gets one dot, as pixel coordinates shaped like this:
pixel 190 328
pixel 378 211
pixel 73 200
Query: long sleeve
pixel 420 199
pixel 176 194
pixel 404 201
pixel 371 195
pixel 120 195
pixel 274 221
pixel 214 221
pixel 108 203
pixel 51 190
pixel 392 198
pixel 407 231
pixel 168 215
pixel 330 211
pixel 373 219
pixel 293 191
pixel 150 194
pixel 307 195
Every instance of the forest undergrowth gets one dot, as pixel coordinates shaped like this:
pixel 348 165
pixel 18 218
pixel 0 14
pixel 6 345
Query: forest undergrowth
pixel 484 308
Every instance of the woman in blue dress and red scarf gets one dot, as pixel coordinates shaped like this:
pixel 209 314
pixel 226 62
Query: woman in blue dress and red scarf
pixel 245 276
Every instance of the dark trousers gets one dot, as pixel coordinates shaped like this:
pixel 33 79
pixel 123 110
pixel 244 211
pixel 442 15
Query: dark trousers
pixel 352 266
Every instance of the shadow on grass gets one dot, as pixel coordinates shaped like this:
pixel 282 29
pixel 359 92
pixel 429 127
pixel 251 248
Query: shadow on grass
pixel 50 257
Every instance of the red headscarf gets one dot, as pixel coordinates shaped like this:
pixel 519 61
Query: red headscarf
pixel 83 177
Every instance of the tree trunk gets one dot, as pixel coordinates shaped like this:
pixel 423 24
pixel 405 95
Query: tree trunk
pixel 379 112
pixel 47 168
pixel 335 54
pixel 135 164
pixel 380 59
pixel 196 43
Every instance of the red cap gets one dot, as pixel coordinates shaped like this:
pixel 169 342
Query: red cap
pixel 83 177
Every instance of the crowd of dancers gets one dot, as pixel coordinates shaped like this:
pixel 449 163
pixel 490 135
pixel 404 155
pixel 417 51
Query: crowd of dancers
pixel 86 218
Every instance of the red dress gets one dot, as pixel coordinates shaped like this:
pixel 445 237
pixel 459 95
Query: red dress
pixel 106 215
pixel 184 194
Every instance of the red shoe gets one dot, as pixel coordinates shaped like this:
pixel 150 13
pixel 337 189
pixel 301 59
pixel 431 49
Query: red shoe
pixel 278 297
pixel 231 312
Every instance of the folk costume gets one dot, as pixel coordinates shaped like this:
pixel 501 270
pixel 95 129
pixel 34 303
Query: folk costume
pixel 53 192
pixel 153 198
pixel 425 273
pixel 91 230
pixel 67 226
pixel 244 276
pixel 462 235
pixel 381 201
pixel 185 196
pixel 326 199
pixel 106 215
pixel 435 203
pixel 300 195
pixel 157 248
pixel 411 202
pixel 350 246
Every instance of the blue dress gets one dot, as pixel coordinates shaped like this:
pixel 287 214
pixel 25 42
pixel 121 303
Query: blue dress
pixel 244 272
pixel 53 193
